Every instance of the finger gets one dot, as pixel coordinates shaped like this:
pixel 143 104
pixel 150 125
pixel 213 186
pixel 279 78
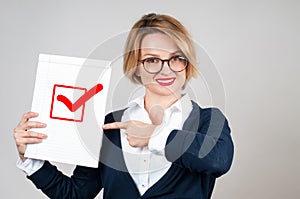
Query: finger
pixel 33 134
pixel 156 114
pixel 24 141
pixel 32 124
pixel 20 135
pixel 115 125
pixel 27 116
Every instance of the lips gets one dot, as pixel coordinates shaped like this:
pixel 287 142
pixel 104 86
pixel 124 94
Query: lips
pixel 165 81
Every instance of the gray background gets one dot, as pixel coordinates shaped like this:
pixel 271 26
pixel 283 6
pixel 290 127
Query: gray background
pixel 254 44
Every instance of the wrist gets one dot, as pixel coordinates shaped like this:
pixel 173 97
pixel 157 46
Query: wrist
pixel 22 157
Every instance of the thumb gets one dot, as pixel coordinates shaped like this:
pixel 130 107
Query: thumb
pixel 156 114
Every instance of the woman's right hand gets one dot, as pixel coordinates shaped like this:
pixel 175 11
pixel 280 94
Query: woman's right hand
pixel 24 136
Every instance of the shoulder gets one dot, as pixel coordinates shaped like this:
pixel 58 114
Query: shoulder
pixel 209 120
pixel 205 112
pixel 207 115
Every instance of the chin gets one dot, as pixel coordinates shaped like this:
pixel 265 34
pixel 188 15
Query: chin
pixel 163 91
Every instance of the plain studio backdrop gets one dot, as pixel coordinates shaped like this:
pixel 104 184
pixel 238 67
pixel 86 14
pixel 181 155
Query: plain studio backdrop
pixel 254 46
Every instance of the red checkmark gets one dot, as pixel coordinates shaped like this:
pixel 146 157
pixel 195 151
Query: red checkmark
pixel 84 98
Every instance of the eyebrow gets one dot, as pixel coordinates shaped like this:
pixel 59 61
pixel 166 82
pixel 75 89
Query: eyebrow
pixel 157 55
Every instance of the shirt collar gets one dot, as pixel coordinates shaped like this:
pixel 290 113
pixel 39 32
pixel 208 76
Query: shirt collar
pixel 139 101
pixel 183 103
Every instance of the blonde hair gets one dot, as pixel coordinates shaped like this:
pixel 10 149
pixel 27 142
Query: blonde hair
pixel 153 23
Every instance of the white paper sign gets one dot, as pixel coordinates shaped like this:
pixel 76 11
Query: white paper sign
pixel 70 96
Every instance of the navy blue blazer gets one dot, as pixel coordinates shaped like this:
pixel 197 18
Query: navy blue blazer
pixel 200 152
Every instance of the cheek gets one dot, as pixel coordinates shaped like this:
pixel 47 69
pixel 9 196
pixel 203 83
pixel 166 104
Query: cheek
pixel 181 79
pixel 146 78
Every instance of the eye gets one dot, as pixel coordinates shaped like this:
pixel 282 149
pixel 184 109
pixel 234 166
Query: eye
pixel 178 58
pixel 152 60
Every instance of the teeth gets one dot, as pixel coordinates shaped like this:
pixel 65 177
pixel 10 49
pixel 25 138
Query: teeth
pixel 165 81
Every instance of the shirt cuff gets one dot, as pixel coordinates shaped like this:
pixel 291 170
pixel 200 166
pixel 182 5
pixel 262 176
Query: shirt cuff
pixel 30 166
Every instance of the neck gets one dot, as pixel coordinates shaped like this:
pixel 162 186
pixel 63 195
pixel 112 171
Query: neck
pixel 165 102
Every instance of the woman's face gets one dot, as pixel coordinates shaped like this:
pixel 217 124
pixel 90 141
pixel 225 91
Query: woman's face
pixel 166 82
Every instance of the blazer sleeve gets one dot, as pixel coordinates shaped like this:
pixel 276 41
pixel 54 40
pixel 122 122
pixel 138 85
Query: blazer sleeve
pixel 209 150
pixel 84 183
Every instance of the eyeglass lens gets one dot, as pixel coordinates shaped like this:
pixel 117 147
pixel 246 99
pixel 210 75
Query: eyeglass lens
pixel 154 65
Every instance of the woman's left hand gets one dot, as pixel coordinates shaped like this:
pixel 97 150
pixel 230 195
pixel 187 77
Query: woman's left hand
pixel 137 133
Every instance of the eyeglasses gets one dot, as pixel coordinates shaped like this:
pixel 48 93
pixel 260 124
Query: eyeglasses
pixel 154 65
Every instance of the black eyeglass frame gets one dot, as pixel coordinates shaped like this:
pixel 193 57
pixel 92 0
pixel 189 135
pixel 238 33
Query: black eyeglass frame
pixel 163 61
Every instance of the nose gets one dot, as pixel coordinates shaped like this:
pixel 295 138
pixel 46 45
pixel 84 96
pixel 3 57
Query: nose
pixel 165 68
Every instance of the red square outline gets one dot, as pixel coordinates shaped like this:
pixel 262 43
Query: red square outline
pixel 52 102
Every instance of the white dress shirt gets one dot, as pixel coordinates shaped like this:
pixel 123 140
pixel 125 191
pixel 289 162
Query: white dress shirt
pixel 30 165
pixel 148 164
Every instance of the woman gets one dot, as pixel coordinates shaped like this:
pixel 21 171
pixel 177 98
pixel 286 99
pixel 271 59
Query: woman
pixel 163 145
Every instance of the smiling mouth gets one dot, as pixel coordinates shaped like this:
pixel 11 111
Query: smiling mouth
pixel 165 81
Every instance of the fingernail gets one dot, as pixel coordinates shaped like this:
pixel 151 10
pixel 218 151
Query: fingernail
pixel 44 125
